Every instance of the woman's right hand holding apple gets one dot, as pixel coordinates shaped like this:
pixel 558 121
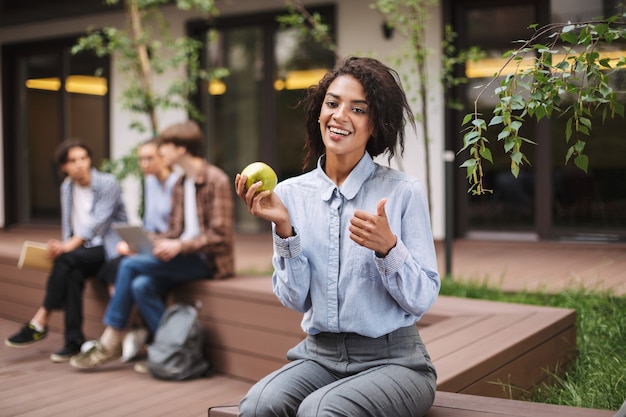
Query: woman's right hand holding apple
pixel 265 205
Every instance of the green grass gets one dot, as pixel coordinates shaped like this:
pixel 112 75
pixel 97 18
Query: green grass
pixel 597 379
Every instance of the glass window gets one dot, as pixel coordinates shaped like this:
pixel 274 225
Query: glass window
pixel 55 96
pixel 510 206
pixel 590 205
pixel 252 114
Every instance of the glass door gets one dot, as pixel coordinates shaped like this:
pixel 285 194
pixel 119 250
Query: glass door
pixel 253 114
pixel 510 206
pixel 51 96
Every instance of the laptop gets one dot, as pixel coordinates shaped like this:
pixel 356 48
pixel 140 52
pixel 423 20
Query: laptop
pixel 138 239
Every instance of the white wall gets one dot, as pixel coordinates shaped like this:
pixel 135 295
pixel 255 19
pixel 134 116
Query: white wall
pixel 359 32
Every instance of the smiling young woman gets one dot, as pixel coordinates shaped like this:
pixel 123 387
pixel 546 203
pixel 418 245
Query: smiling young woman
pixel 353 252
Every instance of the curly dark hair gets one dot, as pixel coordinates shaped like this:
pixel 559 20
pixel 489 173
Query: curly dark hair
pixel 388 107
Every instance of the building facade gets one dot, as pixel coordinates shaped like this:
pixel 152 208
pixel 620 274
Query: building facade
pixel 252 115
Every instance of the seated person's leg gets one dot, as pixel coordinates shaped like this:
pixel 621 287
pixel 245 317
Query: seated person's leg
pixel 282 391
pixel 390 390
pixel 83 263
pixel 121 304
pixel 149 293
pixel 158 279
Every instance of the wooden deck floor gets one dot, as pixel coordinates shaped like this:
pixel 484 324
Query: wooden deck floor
pixel 31 385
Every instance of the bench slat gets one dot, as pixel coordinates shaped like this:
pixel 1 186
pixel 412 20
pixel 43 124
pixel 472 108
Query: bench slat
pixel 461 405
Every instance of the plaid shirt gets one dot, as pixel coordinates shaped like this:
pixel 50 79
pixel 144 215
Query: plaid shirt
pixel 215 206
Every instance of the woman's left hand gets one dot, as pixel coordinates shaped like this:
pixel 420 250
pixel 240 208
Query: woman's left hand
pixel 372 230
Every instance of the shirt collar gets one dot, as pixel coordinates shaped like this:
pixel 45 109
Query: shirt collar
pixel 353 183
pixel 203 175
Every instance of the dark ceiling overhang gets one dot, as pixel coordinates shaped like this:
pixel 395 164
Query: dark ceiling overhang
pixel 18 12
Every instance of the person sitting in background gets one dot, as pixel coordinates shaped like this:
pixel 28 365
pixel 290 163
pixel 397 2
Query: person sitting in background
pixel 158 183
pixel 158 180
pixel 91 201
pixel 353 252
pixel 198 244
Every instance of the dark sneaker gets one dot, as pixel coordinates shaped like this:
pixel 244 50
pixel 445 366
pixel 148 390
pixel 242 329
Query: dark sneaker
pixel 64 355
pixel 25 337
pixel 97 355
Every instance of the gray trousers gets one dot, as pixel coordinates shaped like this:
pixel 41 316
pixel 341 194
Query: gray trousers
pixel 345 374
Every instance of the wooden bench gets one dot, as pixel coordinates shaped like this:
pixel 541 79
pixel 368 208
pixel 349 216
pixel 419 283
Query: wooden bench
pixel 478 347
pixel 449 404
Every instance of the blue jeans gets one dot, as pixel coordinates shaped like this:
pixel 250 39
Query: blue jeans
pixel 344 374
pixel 144 280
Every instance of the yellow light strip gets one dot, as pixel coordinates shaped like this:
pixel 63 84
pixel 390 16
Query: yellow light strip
pixel 79 84
pixel 488 67
pixel 51 84
pixel 300 80
pixel 86 84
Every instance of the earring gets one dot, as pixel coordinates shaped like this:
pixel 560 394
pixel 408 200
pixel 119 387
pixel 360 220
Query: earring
pixel 318 120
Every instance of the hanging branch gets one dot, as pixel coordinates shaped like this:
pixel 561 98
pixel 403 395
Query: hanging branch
pixel 569 77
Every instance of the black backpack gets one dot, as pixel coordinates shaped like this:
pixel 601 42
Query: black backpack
pixel 177 351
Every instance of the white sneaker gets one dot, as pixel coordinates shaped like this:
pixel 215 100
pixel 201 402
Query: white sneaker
pixel 87 345
pixel 141 367
pixel 133 343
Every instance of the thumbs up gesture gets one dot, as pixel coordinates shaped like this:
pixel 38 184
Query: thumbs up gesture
pixel 372 230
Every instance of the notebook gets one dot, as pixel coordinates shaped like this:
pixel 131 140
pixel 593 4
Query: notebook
pixel 33 256
pixel 138 239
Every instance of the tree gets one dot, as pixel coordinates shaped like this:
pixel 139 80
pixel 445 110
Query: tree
pixel 561 71
pixel 145 51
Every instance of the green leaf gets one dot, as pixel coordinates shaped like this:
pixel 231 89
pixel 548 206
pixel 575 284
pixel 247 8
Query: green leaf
pixel 496 120
pixel 568 129
pixel 515 170
pixel 563 65
pixel 471 137
pixel 618 108
pixel 569 37
pixel 570 152
pixel 585 121
pixel 584 130
pixel 540 112
pixel 516 125
pixel 582 162
pixel 509 144
pixel 580 146
pixel 605 62
pixel 467 118
pixel 486 154
pixel 479 123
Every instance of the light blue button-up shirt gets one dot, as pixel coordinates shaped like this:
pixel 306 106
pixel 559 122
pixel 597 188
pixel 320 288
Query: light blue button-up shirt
pixel 339 285
pixel 158 202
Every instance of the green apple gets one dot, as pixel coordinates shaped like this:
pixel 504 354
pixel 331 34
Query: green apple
pixel 260 171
